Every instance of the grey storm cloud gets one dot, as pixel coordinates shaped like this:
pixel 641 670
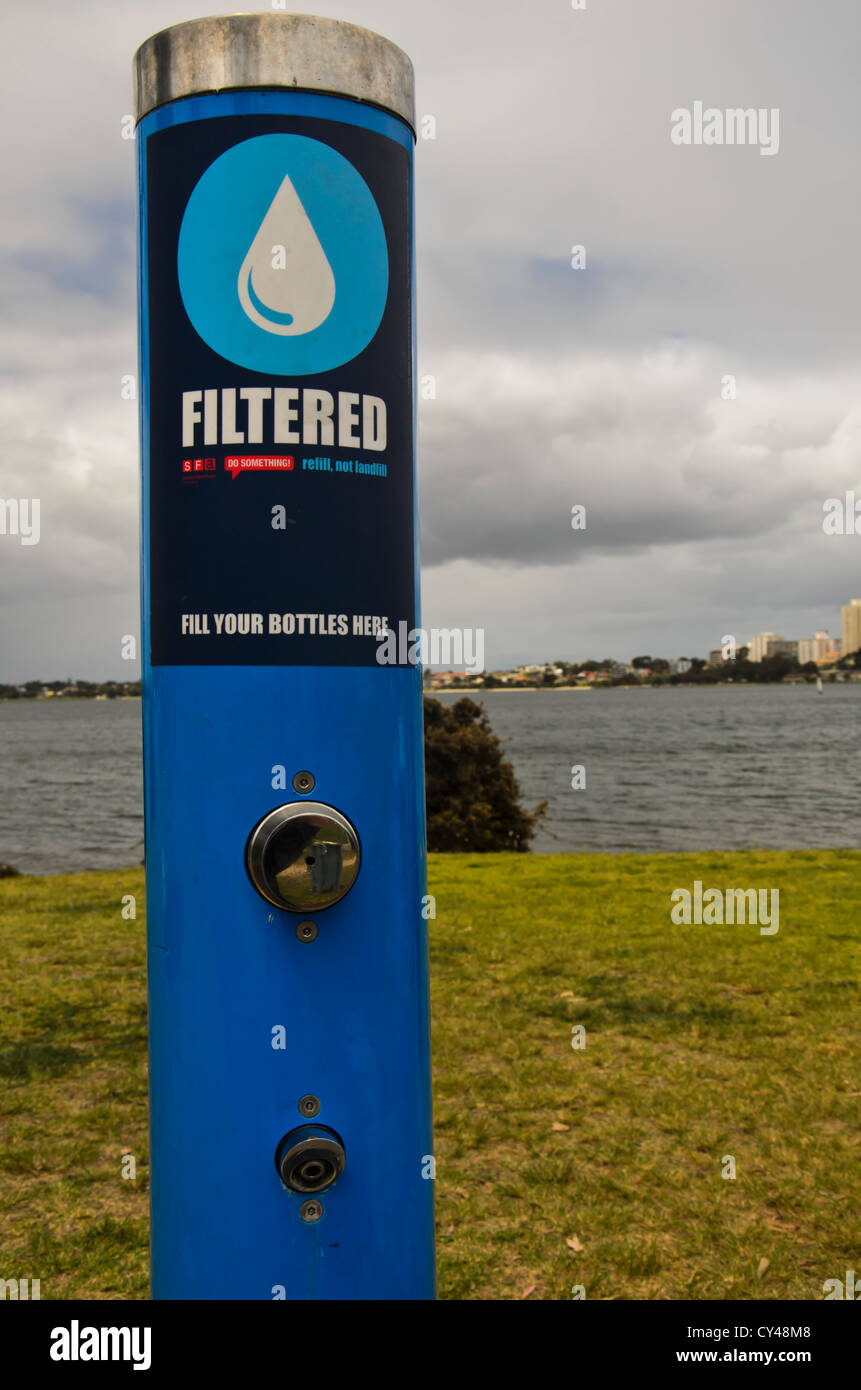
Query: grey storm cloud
pixel 554 385
pixel 649 447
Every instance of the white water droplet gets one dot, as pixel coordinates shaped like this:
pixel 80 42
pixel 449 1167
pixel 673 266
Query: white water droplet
pixel 291 293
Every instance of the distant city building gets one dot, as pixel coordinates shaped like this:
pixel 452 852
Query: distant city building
pixel 680 667
pixel 817 648
pixel 757 647
pixel 781 647
pixel 806 650
pixel 438 680
pixel 615 671
pixel 851 615
pixel 716 657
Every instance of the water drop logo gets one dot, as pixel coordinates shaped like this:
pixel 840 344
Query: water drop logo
pixel 286 283
pixel 282 257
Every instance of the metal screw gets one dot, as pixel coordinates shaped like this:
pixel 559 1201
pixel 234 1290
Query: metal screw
pixel 311 1211
pixel 309 1106
pixel 304 782
pixel 307 931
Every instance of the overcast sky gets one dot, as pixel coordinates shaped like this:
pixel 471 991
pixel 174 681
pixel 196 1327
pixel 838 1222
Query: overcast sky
pixel 555 386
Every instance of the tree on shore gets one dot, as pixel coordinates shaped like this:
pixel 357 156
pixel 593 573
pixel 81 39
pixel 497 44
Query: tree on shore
pixel 473 797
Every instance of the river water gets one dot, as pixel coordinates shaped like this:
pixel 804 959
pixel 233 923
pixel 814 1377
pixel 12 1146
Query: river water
pixel 731 767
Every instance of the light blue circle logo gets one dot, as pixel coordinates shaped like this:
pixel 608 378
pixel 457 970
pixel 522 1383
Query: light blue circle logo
pixel 282 258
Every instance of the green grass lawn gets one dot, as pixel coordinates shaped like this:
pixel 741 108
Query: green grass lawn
pixel 556 1167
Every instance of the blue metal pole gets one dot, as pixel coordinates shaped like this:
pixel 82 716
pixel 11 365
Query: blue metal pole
pixel 287 953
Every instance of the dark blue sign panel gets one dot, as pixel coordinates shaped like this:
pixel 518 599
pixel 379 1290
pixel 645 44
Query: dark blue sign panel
pixel 280 372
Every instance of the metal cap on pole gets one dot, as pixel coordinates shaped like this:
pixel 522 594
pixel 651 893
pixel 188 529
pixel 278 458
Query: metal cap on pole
pixel 299 52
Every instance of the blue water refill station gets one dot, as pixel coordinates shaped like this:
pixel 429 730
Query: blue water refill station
pixel 288 1003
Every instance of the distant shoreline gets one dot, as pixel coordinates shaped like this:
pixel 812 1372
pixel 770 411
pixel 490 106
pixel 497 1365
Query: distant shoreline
pixel 477 690
pixel 611 689
pixel 63 699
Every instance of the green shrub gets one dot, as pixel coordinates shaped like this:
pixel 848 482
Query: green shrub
pixel 473 798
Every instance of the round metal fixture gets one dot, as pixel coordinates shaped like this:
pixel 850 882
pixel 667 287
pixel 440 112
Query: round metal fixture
pixel 310 1158
pixel 303 856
